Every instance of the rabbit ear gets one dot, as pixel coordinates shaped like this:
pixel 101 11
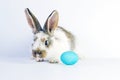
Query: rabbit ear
pixel 32 21
pixel 52 22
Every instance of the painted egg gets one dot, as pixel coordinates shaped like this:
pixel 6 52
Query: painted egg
pixel 69 58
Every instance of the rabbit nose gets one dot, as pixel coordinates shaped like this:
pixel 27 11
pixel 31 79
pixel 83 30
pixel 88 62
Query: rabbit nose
pixel 38 49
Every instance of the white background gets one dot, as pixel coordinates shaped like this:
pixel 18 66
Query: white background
pixel 96 24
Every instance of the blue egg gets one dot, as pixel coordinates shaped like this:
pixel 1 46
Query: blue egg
pixel 69 57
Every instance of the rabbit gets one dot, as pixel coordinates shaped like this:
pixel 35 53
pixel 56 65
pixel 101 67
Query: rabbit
pixel 51 40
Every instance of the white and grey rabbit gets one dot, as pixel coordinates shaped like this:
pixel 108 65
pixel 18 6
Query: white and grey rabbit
pixel 51 40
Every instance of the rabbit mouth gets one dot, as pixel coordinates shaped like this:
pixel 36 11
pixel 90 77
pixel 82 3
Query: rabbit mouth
pixel 39 55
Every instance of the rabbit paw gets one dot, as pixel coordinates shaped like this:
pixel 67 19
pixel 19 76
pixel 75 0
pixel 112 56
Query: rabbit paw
pixel 39 59
pixel 53 60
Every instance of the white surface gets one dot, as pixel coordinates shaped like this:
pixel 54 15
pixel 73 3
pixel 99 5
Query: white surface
pixel 96 23
pixel 92 69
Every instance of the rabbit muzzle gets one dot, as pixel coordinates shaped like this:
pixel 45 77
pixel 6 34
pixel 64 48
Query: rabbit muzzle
pixel 39 55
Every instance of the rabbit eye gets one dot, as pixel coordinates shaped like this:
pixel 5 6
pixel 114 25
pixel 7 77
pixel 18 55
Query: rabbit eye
pixel 46 42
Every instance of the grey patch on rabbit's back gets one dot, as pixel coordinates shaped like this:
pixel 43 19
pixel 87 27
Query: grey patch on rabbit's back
pixel 70 36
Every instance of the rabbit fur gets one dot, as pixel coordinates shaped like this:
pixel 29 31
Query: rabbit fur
pixel 51 40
